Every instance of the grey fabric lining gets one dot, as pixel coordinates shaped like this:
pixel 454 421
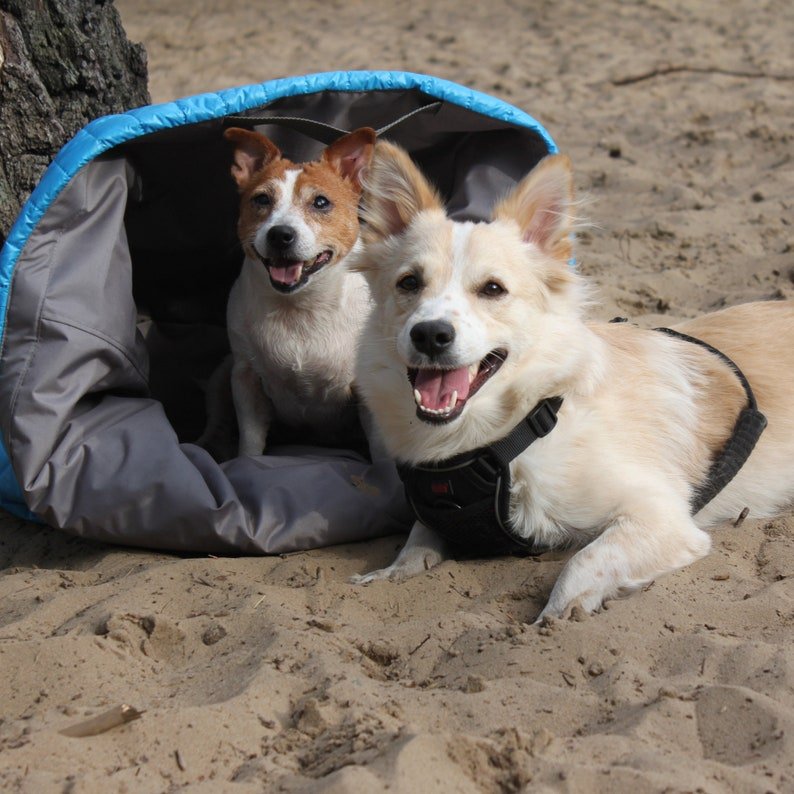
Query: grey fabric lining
pixel 116 316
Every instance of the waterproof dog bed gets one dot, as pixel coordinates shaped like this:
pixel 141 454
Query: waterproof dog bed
pixel 113 285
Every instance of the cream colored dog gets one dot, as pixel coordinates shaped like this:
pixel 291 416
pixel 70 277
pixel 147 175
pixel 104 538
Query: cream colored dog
pixel 475 323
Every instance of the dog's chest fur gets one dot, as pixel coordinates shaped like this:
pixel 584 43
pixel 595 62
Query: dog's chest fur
pixel 301 346
pixel 567 487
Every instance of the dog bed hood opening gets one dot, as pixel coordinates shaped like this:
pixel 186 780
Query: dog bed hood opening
pixel 113 286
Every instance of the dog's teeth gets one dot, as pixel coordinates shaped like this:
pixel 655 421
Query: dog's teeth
pixel 473 370
pixel 445 411
pixel 438 411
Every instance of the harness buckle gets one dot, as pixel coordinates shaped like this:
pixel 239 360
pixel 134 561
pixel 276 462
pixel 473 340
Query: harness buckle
pixel 542 419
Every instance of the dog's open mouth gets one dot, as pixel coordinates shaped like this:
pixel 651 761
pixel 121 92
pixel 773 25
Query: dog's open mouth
pixel 441 394
pixel 286 275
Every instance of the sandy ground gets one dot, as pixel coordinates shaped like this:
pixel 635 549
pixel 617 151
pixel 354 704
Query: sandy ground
pixel 275 674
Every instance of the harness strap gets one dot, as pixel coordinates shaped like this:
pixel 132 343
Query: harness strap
pixel 729 361
pixel 749 426
pixel 538 423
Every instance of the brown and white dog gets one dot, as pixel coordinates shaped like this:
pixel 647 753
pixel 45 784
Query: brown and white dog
pixel 295 312
pixel 476 323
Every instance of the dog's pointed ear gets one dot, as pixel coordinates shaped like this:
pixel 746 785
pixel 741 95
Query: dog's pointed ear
pixel 252 152
pixel 351 153
pixel 395 191
pixel 541 206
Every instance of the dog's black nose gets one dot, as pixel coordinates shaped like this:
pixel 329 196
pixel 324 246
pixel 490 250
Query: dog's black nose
pixel 280 237
pixel 433 337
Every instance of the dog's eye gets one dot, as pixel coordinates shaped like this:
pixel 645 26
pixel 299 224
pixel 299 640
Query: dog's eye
pixel 492 289
pixel 261 200
pixel 409 283
pixel 321 203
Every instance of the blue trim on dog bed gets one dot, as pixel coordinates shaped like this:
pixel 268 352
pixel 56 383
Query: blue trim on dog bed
pixel 108 131
pixel 10 493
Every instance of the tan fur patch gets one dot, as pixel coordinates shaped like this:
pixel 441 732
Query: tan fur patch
pixel 252 216
pixel 395 192
pixel 762 350
pixel 338 225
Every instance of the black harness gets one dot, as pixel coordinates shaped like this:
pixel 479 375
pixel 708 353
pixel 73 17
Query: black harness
pixel 746 432
pixel 466 499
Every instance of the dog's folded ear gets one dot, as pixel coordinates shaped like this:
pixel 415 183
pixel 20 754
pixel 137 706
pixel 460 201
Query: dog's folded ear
pixel 351 153
pixel 252 152
pixel 541 206
pixel 395 191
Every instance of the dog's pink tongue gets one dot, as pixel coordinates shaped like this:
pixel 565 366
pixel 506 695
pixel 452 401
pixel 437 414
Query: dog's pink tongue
pixel 436 386
pixel 286 274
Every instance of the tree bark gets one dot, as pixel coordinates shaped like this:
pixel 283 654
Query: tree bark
pixel 62 63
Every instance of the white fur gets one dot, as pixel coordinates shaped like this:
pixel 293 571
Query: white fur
pixel 294 352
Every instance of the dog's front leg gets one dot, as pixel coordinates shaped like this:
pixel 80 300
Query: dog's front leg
pixel 629 554
pixel 377 449
pixel 253 409
pixel 423 550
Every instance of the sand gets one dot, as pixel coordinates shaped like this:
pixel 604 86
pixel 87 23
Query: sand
pixel 275 674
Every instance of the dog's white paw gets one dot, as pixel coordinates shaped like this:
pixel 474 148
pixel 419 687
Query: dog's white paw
pixel 423 550
pixel 382 574
pixel 559 608
pixel 404 567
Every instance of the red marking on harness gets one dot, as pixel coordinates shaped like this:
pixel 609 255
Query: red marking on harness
pixel 440 488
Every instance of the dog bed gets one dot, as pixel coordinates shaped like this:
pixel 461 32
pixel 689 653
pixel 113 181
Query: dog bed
pixel 113 285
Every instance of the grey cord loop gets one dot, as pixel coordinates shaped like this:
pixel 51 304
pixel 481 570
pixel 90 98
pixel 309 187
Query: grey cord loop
pixel 319 130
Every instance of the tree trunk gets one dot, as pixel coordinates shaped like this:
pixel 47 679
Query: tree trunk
pixel 62 63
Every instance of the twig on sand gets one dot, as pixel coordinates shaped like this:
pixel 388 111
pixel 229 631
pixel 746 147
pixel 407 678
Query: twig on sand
pixel 118 715
pixel 411 653
pixel 660 71
pixel 568 678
